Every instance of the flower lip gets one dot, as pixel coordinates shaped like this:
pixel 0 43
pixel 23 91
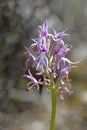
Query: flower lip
pixel 66 61
pixel 41 63
pixel 29 51
pixel 30 76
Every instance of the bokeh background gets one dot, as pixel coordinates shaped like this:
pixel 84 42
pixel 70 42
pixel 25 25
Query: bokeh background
pixel 22 110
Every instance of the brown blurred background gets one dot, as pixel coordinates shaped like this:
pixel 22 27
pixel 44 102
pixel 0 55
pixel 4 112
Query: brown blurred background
pixel 19 19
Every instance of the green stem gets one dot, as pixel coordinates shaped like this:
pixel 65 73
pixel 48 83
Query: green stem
pixel 53 112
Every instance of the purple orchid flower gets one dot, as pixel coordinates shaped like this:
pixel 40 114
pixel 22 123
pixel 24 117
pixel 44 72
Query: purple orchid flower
pixel 63 51
pixel 64 71
pixel 43 41
pixel 65 68
pixel 43 30
pixel 41 63
pixel 43 45
pixel 58 36
pixel 33 81
pixel 59 52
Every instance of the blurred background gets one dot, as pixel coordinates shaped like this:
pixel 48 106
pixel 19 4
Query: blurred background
pixel 22 110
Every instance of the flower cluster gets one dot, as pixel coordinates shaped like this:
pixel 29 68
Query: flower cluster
pixel 48 56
